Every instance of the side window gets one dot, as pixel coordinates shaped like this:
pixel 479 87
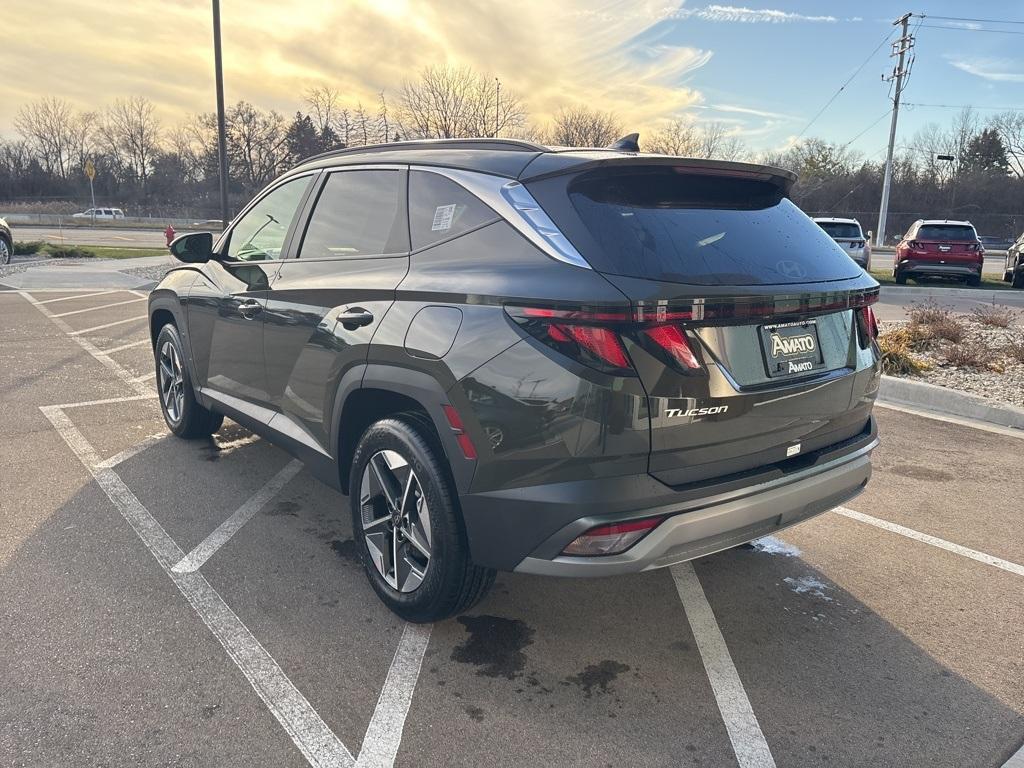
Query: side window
pixel 259 235
pixel 358 213
pixel 440 209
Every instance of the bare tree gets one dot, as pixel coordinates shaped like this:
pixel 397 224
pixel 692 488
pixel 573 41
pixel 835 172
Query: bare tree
pixel 452 102
pixel 324 103
pixel 131 134
pixel 1010 126
pixel 257 148
pixel 687 138
pixel 581 126
pixel 47 126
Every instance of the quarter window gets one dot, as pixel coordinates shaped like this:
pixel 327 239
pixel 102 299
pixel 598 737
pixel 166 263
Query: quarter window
pixel 439 209
pixel 259 235
pixel 358 213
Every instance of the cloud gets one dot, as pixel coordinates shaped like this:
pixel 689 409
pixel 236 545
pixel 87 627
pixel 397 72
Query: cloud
pixel 749 111
pixel 997 70
pixel 713 13
pixel 550 53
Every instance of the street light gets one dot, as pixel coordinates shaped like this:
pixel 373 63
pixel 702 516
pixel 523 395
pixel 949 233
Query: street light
pixel 222 139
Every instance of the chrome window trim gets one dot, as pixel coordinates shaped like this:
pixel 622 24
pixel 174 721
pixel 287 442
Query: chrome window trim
pixel 514 203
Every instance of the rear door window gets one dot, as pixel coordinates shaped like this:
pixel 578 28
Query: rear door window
pixel 358 213
pixel 957 233
pixel 663 223
pixel 440 209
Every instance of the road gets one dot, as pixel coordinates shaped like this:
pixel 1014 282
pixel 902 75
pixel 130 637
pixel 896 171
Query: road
pixel 849 640
pixel 149 238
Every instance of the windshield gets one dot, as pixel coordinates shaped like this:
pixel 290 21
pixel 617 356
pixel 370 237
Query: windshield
pixel 664 223
pixel 956 232
pixel 841 229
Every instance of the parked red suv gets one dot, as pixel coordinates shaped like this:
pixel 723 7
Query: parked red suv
pixel 940 248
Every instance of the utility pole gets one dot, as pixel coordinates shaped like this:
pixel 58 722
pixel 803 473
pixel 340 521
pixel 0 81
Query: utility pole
pixel 222 140
pixel 497 104
pixel 899 48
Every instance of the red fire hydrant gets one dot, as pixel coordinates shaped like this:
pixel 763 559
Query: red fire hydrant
pixel 169 234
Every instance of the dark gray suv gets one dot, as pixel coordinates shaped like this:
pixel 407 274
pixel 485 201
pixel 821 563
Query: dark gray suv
pixel 515 357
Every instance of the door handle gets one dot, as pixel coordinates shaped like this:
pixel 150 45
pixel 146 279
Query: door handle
pixel 249 309
pixel 356 318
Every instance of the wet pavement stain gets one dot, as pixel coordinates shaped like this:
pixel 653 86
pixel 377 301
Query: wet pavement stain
pixel 347 550
pixel 283 508
pixel 599 676
pixel 476 713
pixel 916 472
pixel 495 645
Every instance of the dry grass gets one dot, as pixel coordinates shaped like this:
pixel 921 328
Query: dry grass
pixel 931 322
pixel 973 353
pixel 898 356
pixel 1014 349
pixel 994 315
pixel 928 313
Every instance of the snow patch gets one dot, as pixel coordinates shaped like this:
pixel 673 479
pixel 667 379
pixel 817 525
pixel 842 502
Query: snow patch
pixel 809 585
pixel 772 546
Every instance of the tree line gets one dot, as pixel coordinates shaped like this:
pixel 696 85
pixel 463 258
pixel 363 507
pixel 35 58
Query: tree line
pixel 168 170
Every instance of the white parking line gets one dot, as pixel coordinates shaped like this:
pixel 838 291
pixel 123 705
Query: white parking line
pixel 194 560
pixel 123 347
pixel 150 395
pixel 1016 759
pixel 317 742
pixel 79 296
pixel 99 355
pixel 748 742
pixel 106 325
pixel 146 376
pixel 101 306
pixel 127 453
pixel 935 541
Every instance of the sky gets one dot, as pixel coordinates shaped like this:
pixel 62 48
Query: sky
pixel 764 69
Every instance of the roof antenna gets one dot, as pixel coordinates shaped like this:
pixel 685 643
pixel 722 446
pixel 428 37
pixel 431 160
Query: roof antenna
pixel 628 143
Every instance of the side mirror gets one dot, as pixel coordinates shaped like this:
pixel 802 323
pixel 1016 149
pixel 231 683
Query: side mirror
pixel 193 248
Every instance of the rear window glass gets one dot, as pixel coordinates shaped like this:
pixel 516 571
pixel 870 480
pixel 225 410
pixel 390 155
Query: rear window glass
pixel 358 214
pixel 439 209
pixel 841 229
pixel 955 232
pixel 661 224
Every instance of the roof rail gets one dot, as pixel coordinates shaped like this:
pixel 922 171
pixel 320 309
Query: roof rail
pixel 512 145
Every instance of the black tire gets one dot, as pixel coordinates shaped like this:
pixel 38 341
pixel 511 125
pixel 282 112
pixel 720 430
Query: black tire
pixel 184 416
pixel 6 250
pixel 901 278
pixel 431 588
pixel 974 281
pixel 1018 278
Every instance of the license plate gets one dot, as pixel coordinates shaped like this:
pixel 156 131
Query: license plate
pixel 791 349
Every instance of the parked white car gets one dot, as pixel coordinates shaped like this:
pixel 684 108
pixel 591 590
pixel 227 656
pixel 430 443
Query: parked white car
pixel 850 236
pixel 107 214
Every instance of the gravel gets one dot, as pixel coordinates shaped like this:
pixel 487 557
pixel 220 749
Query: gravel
pixel 155 274
pixel 1003 381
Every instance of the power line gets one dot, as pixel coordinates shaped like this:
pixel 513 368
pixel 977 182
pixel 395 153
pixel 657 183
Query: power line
pixel 972 29
pixel 848 81
pixel 961 18
pixel 876 122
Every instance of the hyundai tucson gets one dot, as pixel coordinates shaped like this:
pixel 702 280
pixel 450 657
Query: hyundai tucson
pixel 567 362
pixel 940 248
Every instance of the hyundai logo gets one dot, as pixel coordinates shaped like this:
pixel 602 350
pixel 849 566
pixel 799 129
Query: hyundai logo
pixel 790 268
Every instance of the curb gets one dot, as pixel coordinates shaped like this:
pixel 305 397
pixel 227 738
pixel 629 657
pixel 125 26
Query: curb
pixel 920 290
pixel 929 397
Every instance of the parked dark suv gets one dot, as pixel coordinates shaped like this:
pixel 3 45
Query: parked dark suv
pixel 512 357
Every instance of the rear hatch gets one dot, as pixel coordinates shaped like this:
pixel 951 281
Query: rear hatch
pixel 847 234
pixel 949 243
pixel 750 324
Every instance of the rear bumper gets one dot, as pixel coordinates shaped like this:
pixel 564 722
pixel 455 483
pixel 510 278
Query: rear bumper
pixel 722 524
pixel 965 269
pixel 526 529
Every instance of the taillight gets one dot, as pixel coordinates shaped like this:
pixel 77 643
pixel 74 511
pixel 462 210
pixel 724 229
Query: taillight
pixel 611 539
pixel 914 245
pixel 670 341
pixel 585 336
pixel 867 326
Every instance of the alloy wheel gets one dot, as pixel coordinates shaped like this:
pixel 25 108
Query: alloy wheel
pixel 5 252
pixel 172 383
pixel 396 521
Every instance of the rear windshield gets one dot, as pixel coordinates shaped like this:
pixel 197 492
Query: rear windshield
pixel 841 229
pixel 666 224
pixel 956 232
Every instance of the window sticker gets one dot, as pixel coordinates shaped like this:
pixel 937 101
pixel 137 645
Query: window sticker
pixel 443 216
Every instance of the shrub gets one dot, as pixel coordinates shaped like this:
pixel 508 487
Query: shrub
pixel 69 252
pixel 928 312
pixel 898 358
pixel 1014 349
pixel 994 315
pixel 976 353
pixel 931 321
pixel 28 247
pixel 947 329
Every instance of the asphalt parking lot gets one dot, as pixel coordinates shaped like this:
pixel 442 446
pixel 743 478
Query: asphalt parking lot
pixel 199 604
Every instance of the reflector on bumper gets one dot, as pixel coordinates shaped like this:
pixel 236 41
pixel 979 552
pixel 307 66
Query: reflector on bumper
pixel 611 539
